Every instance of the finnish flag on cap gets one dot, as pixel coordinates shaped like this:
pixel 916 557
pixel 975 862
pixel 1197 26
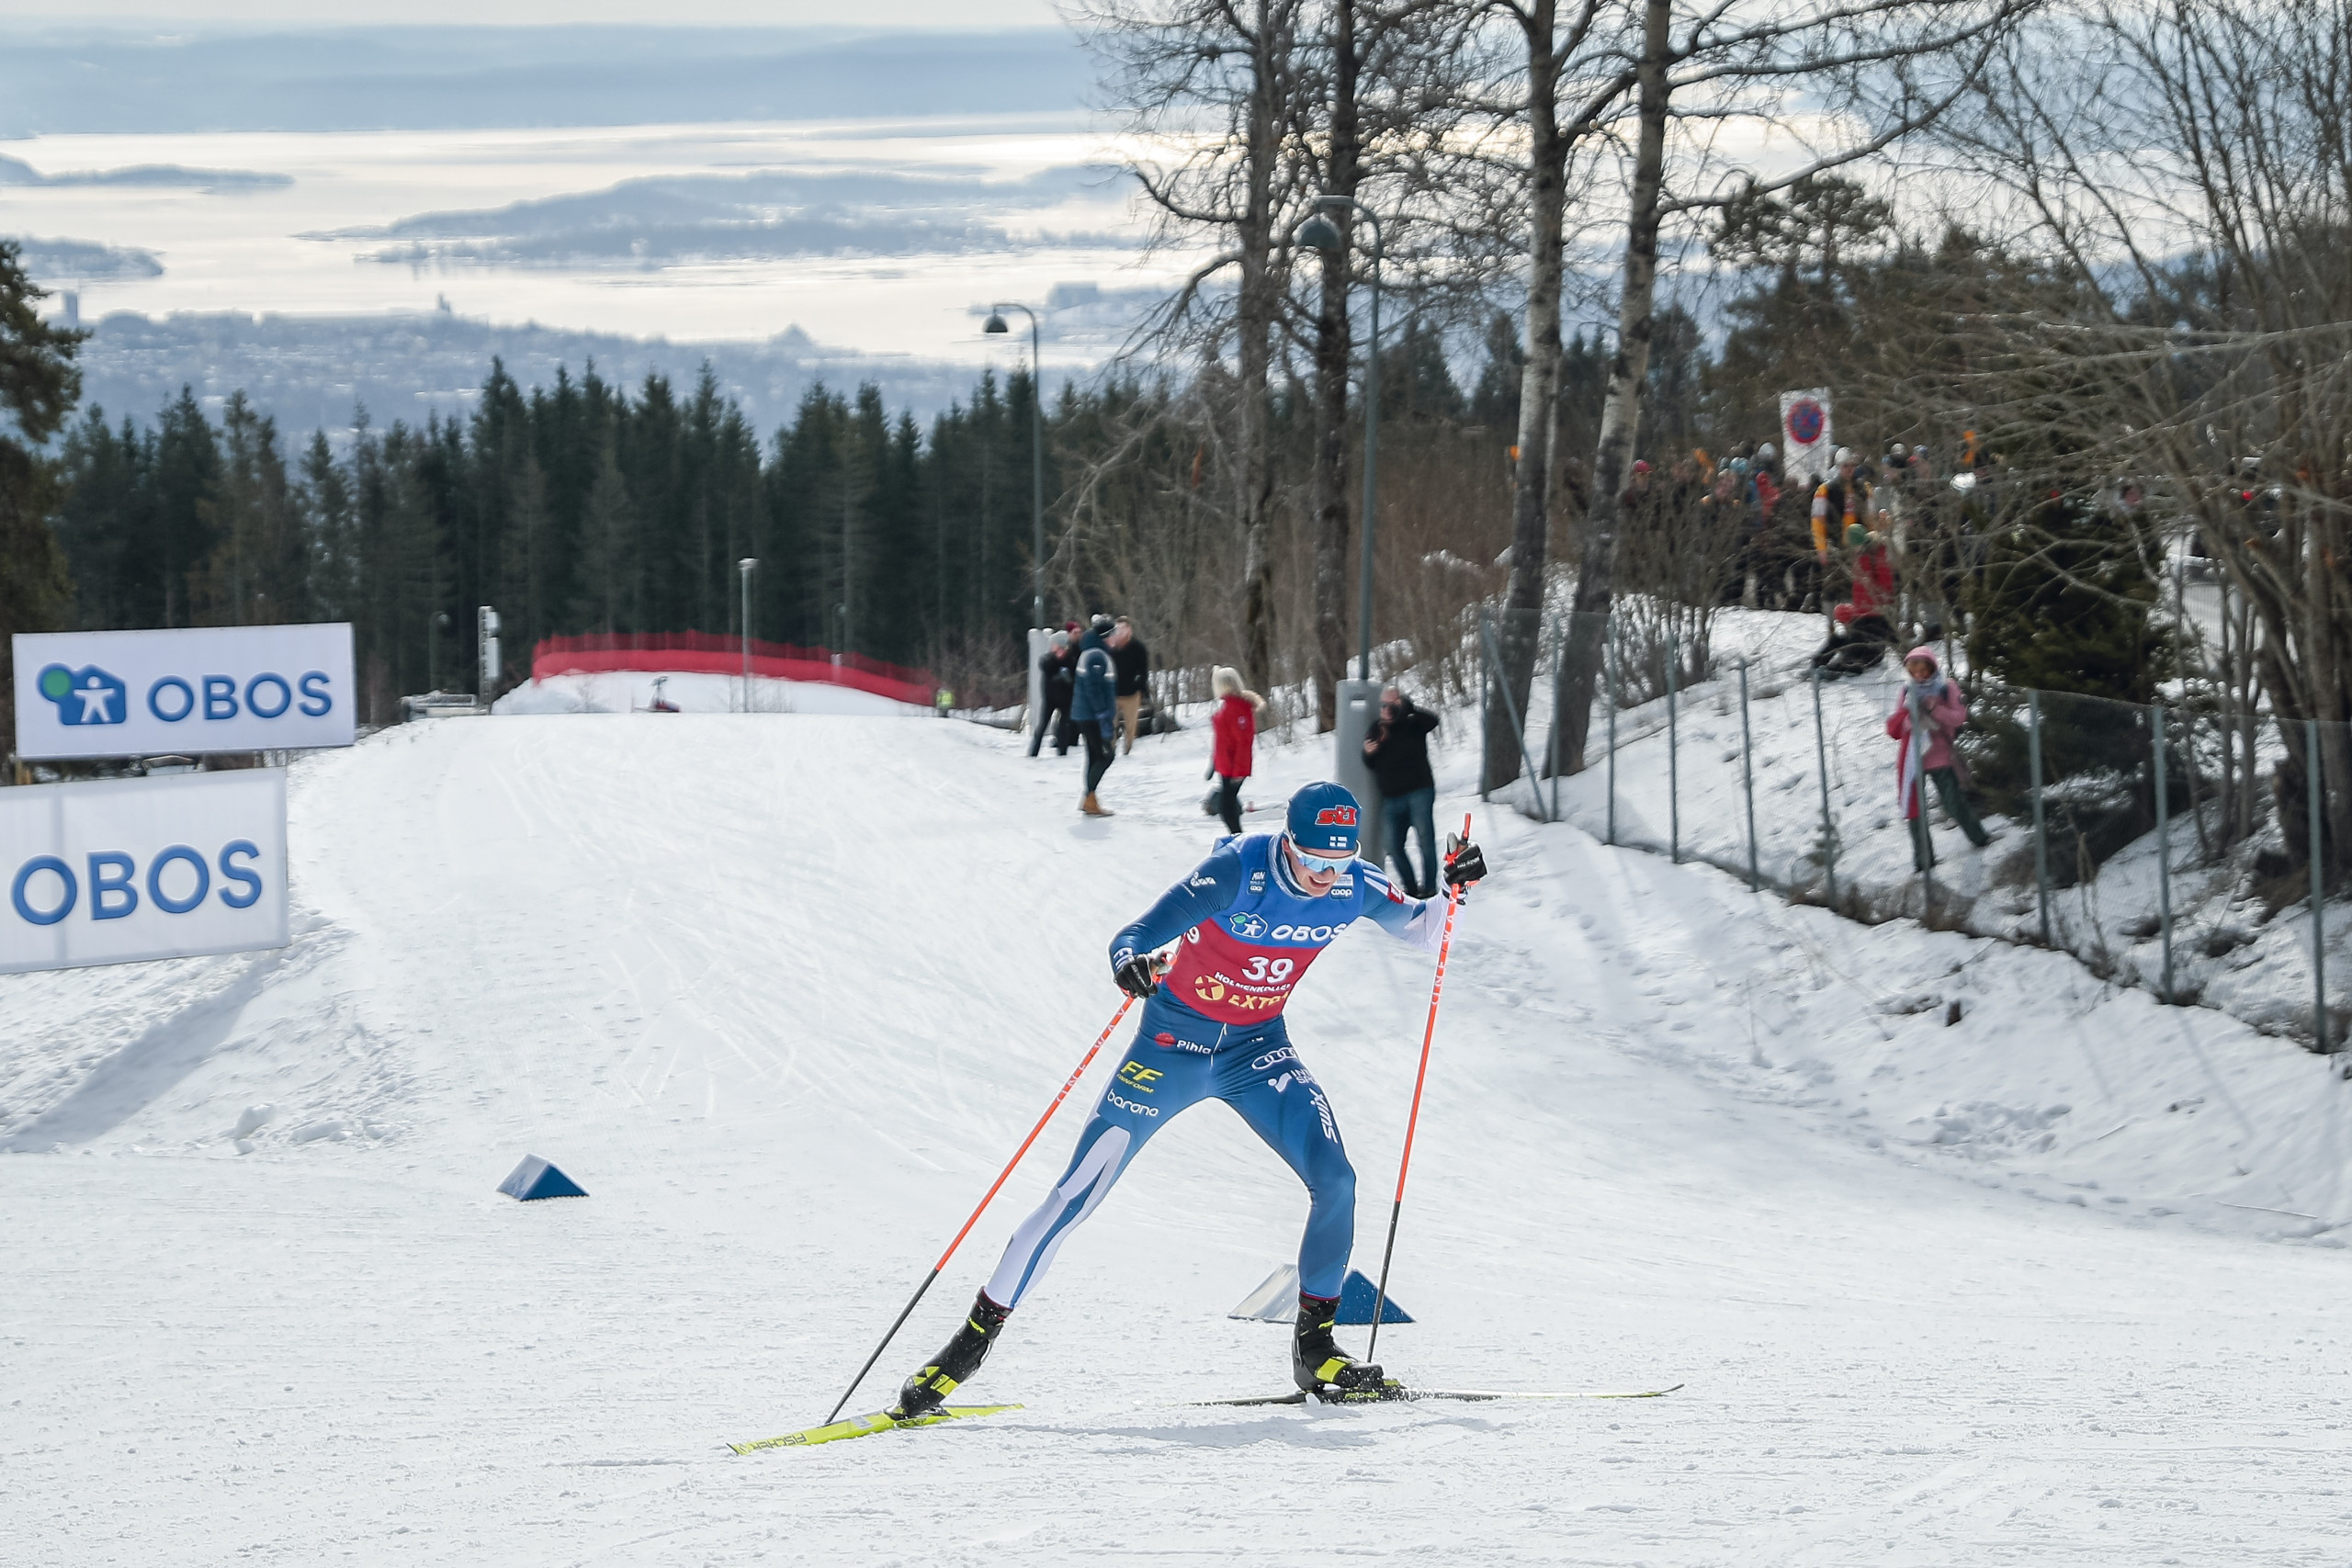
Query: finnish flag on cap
pixel 1323 819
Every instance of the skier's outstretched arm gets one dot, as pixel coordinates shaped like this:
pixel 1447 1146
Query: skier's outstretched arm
pixel 1414 920
pixel 1420 922
pixel 1209 891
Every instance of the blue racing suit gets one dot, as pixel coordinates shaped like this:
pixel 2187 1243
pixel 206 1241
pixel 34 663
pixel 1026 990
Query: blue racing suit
pixel 1214 1029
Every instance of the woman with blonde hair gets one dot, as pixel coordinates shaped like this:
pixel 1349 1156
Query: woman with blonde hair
pixel 1235 726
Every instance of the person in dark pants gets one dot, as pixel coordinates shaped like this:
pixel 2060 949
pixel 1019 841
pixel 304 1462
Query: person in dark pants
pixel 1066 732
pixel 1234 730
pixel 1131 663
pixel 1397 747
pixel 1053 671
pixel 1929 715
pixel 1094 706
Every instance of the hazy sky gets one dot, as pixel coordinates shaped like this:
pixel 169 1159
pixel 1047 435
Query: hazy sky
pixel 523 13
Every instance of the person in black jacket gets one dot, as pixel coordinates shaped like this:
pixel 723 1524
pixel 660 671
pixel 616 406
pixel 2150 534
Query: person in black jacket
pixel 1131 665
pixel 1397 747
pixel 1054 670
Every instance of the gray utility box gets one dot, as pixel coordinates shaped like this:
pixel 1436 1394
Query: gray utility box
pixel 1359 711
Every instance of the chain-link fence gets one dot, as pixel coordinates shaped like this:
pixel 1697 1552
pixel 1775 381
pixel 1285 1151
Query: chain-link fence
pixel 2166 845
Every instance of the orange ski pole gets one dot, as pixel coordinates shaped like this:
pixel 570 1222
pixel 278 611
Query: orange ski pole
pixel 1405 1162
pixel 1068 1083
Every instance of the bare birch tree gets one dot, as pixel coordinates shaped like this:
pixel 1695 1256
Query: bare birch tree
pixel 1385 87
pixel 1576 76
pixel 1213 84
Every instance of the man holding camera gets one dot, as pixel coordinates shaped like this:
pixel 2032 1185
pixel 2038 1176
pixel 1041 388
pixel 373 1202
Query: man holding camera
pixel 1398 748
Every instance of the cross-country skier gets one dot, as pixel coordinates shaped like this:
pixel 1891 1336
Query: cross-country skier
pixel 1251 919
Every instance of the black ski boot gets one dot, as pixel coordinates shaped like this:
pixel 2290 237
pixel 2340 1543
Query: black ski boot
pixel 927 1389
pixel 1317 1364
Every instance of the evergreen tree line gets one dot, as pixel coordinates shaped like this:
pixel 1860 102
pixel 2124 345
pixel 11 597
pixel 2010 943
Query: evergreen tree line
pixel 584 506
pixel 579 507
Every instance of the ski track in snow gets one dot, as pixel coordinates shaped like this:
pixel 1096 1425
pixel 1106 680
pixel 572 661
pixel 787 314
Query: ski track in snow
pixel 2052 1284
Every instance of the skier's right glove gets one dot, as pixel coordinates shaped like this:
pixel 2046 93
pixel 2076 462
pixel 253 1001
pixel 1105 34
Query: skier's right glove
pixel 1138 977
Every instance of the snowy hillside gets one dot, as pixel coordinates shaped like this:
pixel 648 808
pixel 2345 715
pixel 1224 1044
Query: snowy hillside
pixel 2050 1283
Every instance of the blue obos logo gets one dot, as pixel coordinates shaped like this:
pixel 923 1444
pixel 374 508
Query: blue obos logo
pixel 87 695
pixel 1248 925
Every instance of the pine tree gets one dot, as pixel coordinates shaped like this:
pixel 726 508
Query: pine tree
pixel 178 536
pixel 258 570
pixel 106 478
pixel 1415 381
pixel 605 600
pixel 327 501
pixel 38 385
pixel 1494 401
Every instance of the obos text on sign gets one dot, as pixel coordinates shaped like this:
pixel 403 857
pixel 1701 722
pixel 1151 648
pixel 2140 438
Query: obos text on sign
pixel 119 870
pixel 193 691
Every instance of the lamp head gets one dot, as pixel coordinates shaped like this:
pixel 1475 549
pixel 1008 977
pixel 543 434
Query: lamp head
pixel 1318 234
pixel 994 324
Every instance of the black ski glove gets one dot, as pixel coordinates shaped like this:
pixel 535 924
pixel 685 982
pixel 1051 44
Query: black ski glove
pixel 1463 863
pixel 1138 977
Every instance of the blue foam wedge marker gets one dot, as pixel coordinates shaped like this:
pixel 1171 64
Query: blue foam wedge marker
pixel 1356 1298
pixel 535 1177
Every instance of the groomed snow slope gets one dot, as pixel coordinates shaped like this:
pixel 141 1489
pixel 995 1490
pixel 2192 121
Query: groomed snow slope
pixel 781 991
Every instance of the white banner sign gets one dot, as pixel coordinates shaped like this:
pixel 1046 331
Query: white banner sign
pixel 1805 445
pixel 192 691
pixel 126 869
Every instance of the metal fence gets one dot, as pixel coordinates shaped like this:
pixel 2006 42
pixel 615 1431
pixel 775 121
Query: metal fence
pixel 2165 845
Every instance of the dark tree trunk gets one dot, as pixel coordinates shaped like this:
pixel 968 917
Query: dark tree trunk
pixel 1621 413
pixel 1332 343
pixel 1520 633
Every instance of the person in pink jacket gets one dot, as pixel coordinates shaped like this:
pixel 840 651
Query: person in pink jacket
pixel 1929 713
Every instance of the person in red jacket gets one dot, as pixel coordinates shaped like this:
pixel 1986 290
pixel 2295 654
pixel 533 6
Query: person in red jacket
pixel 1874 574
pixel 1235 726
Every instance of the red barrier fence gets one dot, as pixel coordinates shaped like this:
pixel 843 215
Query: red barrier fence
pixel 705 653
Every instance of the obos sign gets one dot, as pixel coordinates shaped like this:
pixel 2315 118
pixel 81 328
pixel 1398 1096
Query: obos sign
pixel 126 869
pixel 200 690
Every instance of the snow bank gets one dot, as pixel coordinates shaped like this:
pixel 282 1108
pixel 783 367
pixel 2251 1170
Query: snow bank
pixel 2225 952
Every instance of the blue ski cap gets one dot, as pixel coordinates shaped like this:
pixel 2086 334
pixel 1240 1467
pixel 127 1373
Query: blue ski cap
pixel 1323 818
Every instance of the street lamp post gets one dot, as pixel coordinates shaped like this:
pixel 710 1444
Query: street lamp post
pixel 1319 234
pixel 744 568
pixel 996 325
pixel 434 626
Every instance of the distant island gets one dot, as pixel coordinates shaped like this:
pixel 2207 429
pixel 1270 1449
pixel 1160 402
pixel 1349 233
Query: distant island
pixel 17 172
pixel 77 262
